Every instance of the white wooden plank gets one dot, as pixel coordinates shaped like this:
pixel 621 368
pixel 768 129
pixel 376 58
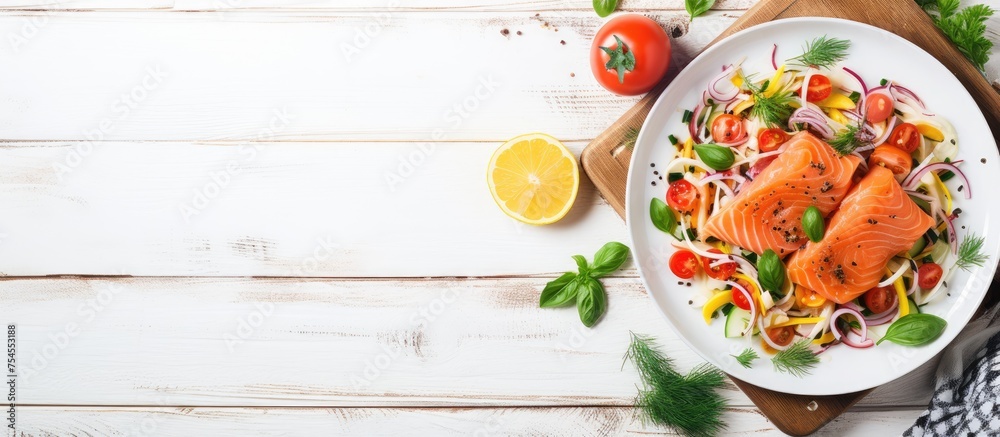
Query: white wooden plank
pixel 256 342
pixel 362 5
pixel 197 76
pixel 477 422
pixel 276 209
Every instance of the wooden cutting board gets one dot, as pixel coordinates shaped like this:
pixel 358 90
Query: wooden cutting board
pixel 606 163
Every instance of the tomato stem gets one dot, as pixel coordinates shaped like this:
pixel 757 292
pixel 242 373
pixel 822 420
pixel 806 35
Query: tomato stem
pixel 621 59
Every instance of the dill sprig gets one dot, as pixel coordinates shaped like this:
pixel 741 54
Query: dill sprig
pixel 822 52
pixel 775 109
pixel 630 137
pixel 797 360
pixel 746 357
pixel 845 141
pixel 970 252
pixel 687 403
pixel 966 28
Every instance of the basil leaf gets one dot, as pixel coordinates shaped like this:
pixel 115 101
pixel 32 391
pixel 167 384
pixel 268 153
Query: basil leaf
pixel 697 7
pixel 770 271
pixel 812 224
pixel 715 156
pixel 609 258
pixel 590 301
pixel 559 291
pixel 914 329
pixel 605 7
pixel 581 264
pixel 663 216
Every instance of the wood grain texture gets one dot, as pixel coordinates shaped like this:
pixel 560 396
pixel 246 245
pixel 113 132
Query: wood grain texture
pixel 332 343
pixel 476 422
pixel 607 163
pixel 343 81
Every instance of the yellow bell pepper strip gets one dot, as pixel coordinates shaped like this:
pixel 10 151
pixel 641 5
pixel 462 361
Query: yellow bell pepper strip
pixel 838 116
pixel 742 106
pixel 837 101
pixel 688 148
pixel 717 301
pixel 904 304
pixel 775 84
pixel 798 321
pixel 944 189
pixel 825 338
pixel 932 133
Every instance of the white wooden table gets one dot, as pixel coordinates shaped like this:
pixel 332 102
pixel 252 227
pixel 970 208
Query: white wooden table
pixel 266 217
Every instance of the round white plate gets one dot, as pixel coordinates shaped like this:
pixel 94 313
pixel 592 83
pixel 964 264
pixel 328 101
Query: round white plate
pixel 874 54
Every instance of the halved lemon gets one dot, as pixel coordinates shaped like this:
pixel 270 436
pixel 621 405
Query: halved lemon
pixel 534 179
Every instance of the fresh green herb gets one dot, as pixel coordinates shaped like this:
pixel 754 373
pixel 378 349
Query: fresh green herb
pixel 966 28
pixel 970 252
pixel 715 156
pixel 672 139
pixel 855 96
pixel 812 223
pixel 846 140
pixel 771 271
pixel 674 177
pixel 775 109
pixel 698 7
pixel 631 135
pixel 822 52
pixel 663 216
pixel 746 357
pixel 883 82
pixel 796 360
pixel 605 7
pixel 619 59
pixel 690 404
pixel 583 286
pixel 687 116
pixel 914 329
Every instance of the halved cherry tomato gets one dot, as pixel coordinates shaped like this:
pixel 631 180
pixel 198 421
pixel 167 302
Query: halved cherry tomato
pixel 880 299
pixel 684 264
pixel 681 195
pixel 740 300
pixel 769 140
pixel 906 137
pixel 722 272
pixel 930 274
pixel 896 160
pixel 782 336
pixel 819 88
pixel 727 128
pixel 879 107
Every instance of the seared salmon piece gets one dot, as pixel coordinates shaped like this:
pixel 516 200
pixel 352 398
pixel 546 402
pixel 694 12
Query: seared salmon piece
pixel 767 213
pixel 876 221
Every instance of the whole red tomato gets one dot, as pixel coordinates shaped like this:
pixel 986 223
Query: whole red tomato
pixel 630 54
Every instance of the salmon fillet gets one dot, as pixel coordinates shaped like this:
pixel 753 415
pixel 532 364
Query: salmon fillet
pixel 876 221
pixel 767 213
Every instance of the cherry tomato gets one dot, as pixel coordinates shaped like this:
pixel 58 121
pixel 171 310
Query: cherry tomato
pixel 906 137
pixel 684 264
pixel 727 128
pixel 681 195
pixel 769 140
pixel 781 336
pixel 879 107
pixel 740 300
pixel 819 88
pixel 645 40
pixel 879 299
pixel 722 272
pixel 896 160
pixel 930 274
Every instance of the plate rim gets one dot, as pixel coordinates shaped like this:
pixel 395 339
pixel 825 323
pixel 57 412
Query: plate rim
pixel 630 186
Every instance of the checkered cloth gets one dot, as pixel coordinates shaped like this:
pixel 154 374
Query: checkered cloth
pixel 966 401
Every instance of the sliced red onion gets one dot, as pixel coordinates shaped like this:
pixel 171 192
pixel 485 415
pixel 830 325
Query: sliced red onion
pixel 900 93
pixel 953 236
pixel 863 163
pixel 924 163
pixel 815 120
pixel 911 182
pixel 739 99
pixel 902 269
pixel 736 143
pixel 883 317
pixel 857 341
pixel 774 52
pixel 885 134
pixel 696 250
pixel 864 87
pixel 727 93
pixel 693 127
pixel 916 277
